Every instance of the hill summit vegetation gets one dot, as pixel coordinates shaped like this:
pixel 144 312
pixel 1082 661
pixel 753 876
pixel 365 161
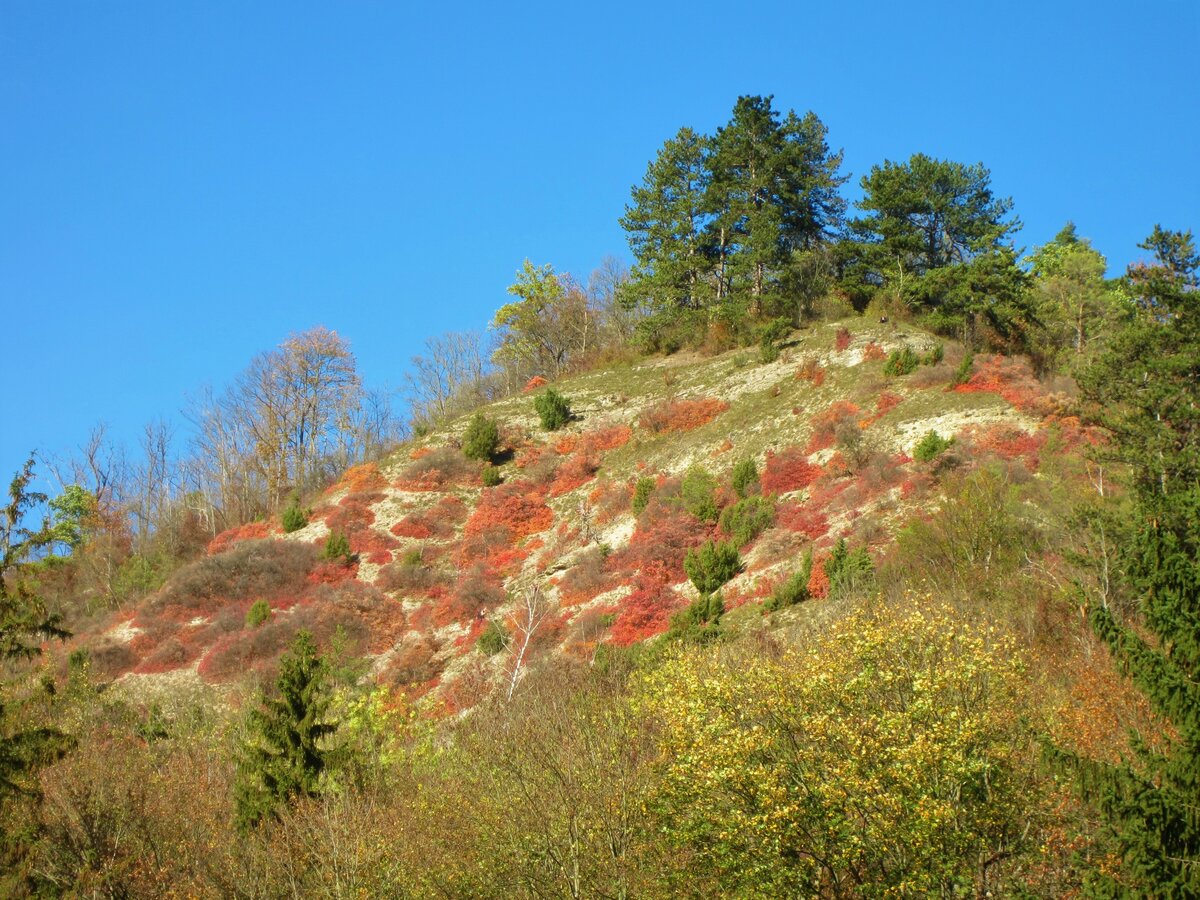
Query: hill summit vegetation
pixel 827 551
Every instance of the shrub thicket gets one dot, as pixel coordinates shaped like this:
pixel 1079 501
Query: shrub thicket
pixel 712 564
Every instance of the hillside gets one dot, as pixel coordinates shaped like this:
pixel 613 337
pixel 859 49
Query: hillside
pixel 437 556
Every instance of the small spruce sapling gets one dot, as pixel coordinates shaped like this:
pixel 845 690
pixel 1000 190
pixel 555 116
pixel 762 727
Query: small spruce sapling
pixel 481 438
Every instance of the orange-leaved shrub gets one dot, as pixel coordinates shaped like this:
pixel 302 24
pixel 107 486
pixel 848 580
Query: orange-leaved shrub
pixel 681 415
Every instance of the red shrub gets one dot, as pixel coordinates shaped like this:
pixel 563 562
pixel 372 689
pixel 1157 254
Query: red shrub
pixel 477 590
pixel 843 338
pixel 659 544
pixel 333 571
pixel 249 531
pixel 574 473
pixel 681 415
pixel 788 471
pixel 352 513
pixel 603 440
pixel 803 520
pixel 873 352
pixel 1010 378
pixel 609 499
pixel 420 453
pixel 885 404
pixel 1008 442
pixel 373 546
pixel 645 612
pixel 584 580
pixel 507 505
pixel 437 522
pixel 437 469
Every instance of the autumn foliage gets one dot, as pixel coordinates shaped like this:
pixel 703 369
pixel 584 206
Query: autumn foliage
pixel 681 415
pixel 788 471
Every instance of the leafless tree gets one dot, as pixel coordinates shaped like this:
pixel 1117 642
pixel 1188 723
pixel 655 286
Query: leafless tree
pixel 532 610
pixel 449 378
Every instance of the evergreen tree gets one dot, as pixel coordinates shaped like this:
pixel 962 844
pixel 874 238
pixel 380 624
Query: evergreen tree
pixel 286 748
pixel 24 623
pixel 665 228
pixel 1146 387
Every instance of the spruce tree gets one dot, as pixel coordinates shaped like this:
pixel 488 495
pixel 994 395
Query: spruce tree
pixel 286 748
pixel 1147 387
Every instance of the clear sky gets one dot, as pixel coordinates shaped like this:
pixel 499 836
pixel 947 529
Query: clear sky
pixel 182 184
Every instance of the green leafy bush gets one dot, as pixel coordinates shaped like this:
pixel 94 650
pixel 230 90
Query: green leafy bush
pixel 552 408
pixel 641 494
pixel 931 447
pixel 901 362
pixel 259 612
pixel 699 494
pixel 934 356
pixel 481 438
pixel 491 476
pixel 493 639
pixel 744 477
pixel 712 564
pixel 337 546
pixel 294 517
pixel 747 519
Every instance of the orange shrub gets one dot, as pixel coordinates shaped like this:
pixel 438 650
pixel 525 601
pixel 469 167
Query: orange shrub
pixel 681 415
pixel 575 472
pixel 873 352
pixel 364 477
pixel 842 339
pixel 476 590
pixel 803 520
pixel 811 371
pixel 535 383
pixel 247 532
pixel 507 505
pixel 788 471
pixel 1012 379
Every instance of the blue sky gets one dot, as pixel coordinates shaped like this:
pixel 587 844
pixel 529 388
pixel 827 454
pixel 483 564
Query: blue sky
pixel 183 184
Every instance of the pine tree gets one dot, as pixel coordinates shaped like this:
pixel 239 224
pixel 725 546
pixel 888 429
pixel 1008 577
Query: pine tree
pixel 1147 386
pixel 24 622
pixel 286 749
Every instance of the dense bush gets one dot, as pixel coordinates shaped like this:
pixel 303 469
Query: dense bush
pixel 793 590
pixel 901 362
pixel 788 471
pixel 553 409
pixel 491 476
pixel 641 494
pixel 294 517
pixel 681 415
pixel 698 492
pixel 744 477
pixel 259 612
pixel 931 446
pixel 747 519
pixel 847 569
pixel 337 548
pixel 493 639
pixel 712 564
pixel 481 438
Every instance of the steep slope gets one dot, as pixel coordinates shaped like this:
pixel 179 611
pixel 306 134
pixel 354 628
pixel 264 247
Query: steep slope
pixel 555 554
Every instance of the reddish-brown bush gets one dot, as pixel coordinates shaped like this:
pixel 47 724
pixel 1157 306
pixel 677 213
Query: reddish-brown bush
pixel 249 532
pixel 270 569
pixel 811 371
pixel 825 424
pixel 1011 378
pixel 803 520
pixel 842 339
pixel 360 478
pixel 535 383
pixel 681 415
pixel 477 590
pixel 577 471
pixel 352 514
pixel 515 506
pixel 873 352
pixel 584 580
pixel 788 471
pixel 437 469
